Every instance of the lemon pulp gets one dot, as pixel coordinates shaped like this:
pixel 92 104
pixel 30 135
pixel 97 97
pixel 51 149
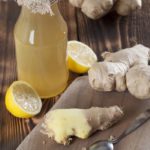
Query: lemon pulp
pixel 80 57
pixel 22 100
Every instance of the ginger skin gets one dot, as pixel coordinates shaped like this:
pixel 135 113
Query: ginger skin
pixel 138 54
pixel 103 76
pixel 62 124
pixel 138 81
pixel 95 9
pixel 76 3
pixel 125 7
pixel 110 74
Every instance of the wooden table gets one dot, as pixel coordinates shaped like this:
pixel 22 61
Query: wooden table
pixel 110 33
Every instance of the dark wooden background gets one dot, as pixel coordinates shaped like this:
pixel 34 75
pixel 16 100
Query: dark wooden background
pixel 109 33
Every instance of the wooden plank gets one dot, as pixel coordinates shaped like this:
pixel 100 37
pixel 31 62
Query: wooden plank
pixel 109 33
pixel 3 43
pixel 69 14
pixel 14 130
pixel 11 128
pixel 81 95
pixel 114 32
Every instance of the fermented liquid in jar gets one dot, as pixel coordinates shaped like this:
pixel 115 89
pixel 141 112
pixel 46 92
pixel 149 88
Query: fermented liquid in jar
pixel 41 43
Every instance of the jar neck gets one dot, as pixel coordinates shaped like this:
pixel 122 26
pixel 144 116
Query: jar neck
pixel 28 14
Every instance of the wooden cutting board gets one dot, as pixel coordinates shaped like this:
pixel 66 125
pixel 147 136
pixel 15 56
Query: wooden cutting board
pixel 80 95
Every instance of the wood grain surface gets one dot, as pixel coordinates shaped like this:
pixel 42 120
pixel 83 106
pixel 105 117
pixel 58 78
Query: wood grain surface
pixel 81 95
pixel 109 33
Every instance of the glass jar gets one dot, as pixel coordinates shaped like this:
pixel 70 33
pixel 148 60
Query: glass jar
pixel 41 43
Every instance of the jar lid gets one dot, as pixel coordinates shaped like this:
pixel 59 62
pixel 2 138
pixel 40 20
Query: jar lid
pixel 38 6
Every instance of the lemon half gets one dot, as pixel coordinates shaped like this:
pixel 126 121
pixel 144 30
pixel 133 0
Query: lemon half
pixel 22 100
pixel 80 57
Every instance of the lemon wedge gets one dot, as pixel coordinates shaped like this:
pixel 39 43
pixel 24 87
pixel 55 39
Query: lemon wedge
pixel 80 57
pixel 22 100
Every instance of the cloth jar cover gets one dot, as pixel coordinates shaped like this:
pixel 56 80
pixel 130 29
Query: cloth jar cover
pixel 38 6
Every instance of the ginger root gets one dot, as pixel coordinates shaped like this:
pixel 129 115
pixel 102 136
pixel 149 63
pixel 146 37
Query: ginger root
pixel 62 124
pixel 95 9
pixel 110 74
pixel 125 7
pixel 104 75
pixel 76 3
pixel 138 54
pixel 138 81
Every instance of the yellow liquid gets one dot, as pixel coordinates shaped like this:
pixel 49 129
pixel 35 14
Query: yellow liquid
pixel 41 42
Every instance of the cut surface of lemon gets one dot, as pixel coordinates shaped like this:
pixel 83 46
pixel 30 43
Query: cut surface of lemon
pixel 80 57
pixel 22 101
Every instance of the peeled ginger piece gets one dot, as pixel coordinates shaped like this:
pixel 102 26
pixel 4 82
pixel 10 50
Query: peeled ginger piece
pixel 62 124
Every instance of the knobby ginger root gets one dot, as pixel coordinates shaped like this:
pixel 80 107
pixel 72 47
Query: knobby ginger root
pixel 62 124
pixel 125 7
pixel 94 8
pixel 138 54
pixel 106 76
pixel 97 8
pixel 138 81
pixel 110 74
pixel 76 3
